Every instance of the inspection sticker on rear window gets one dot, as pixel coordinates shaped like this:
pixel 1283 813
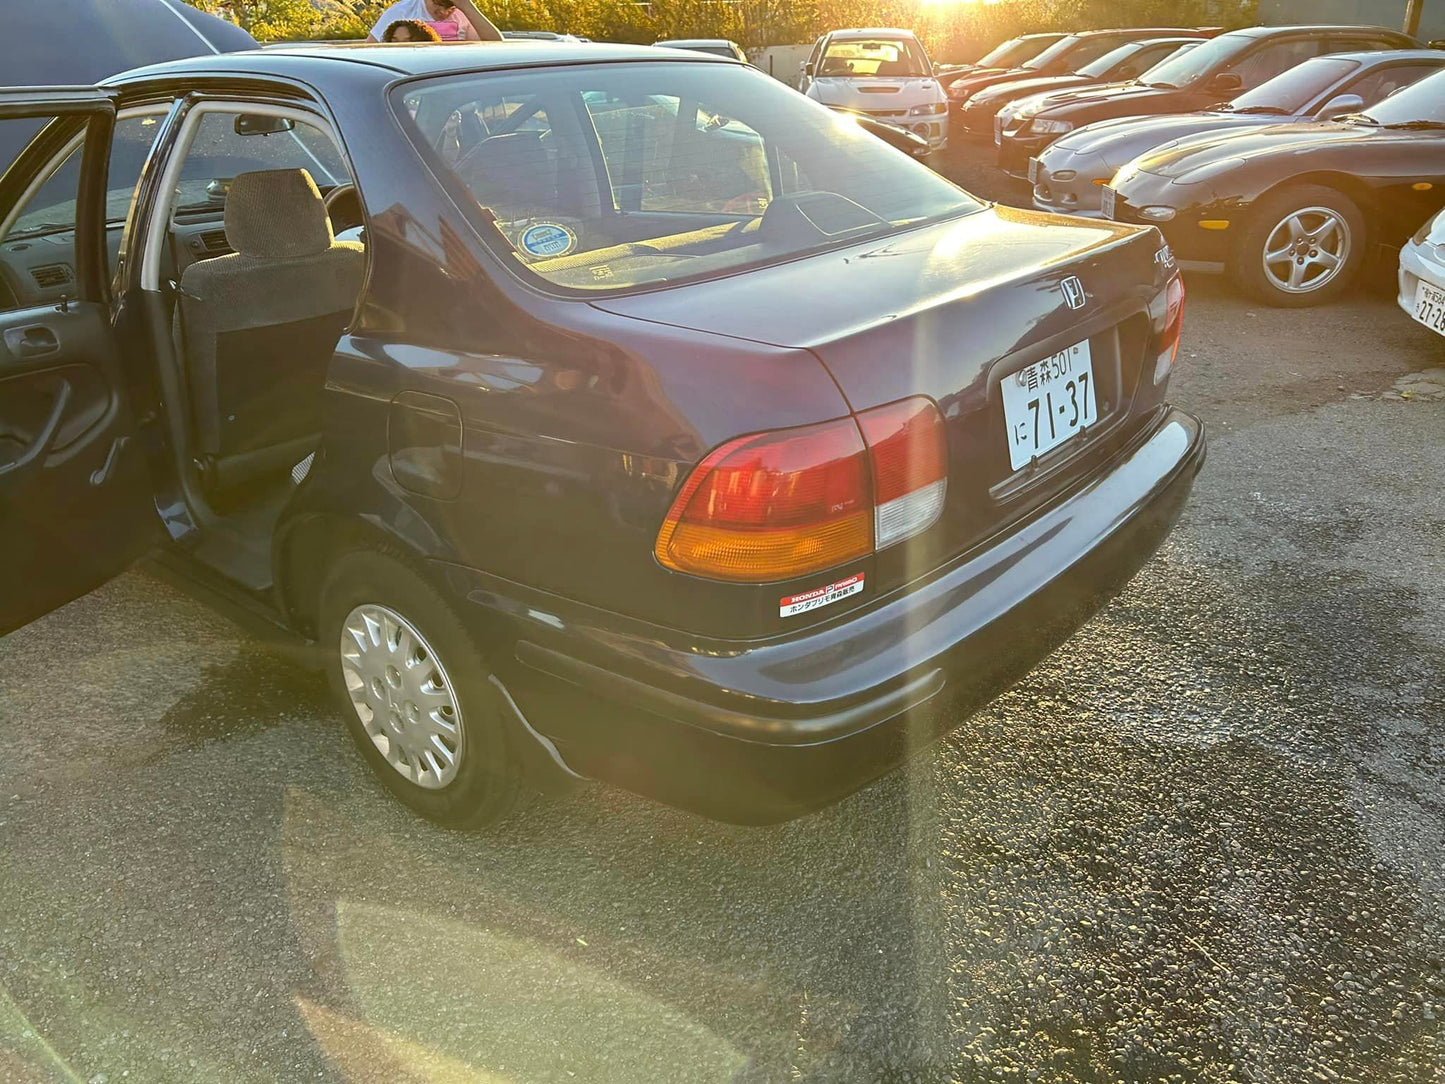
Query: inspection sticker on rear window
pixel 792 605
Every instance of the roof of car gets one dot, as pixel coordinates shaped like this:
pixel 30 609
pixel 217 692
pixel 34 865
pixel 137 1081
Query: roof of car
pixel 1264 31
pixel 872 32
pixel 1162 31
pixel 419 59
pixel 680 42
pixel 1386 56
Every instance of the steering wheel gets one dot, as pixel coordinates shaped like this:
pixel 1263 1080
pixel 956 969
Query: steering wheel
pixel 343 207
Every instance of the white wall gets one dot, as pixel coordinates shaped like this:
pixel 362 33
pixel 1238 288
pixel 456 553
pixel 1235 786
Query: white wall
pixel 781 61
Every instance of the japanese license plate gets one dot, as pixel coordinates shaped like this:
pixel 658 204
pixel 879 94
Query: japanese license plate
pixel 997 130
pixel 1430 306
pixel 1033 171
pixel 1106 201
pixel 1046 403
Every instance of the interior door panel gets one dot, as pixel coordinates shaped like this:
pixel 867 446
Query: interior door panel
pixel 74 507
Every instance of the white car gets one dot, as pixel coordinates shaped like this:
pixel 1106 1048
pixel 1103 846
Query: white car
pixel 883 73
pixel 1422 275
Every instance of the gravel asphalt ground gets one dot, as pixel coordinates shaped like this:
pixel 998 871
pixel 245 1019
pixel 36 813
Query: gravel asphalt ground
pixel 1202 842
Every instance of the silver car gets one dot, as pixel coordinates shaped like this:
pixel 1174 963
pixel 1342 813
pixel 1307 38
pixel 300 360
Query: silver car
pixel 1068 175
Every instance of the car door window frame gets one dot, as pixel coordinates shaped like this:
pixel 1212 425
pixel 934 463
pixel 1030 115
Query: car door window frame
pixel 95 112
pixel 196 107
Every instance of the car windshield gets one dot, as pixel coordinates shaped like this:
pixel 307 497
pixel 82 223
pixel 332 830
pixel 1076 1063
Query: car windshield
pixel 1291 91
pixel 1421 105
pixel 608 177
pixel 873 56
pixel 1014 52
pixel 1096 69
pixel 1182 70
pixel 1074 53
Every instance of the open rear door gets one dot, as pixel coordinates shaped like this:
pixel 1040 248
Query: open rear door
pixel 75 497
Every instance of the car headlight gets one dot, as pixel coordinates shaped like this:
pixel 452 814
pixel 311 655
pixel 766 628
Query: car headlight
pixel 1051 127
pixel 1157 213
pixel 929 110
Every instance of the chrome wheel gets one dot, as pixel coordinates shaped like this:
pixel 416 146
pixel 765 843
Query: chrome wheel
pixel 403 696
pixel 1306 250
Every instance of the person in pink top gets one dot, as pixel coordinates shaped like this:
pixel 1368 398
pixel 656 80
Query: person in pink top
pixel 453 20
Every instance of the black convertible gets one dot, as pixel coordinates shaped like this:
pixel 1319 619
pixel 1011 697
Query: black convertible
pixel 1293 209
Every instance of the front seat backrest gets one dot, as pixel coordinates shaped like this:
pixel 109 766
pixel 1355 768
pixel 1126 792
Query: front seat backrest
pixel 259 326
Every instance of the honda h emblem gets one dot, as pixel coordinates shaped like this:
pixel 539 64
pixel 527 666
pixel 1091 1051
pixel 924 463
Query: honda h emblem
pixel 1073 292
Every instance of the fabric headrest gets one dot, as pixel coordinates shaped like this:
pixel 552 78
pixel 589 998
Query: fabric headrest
pixel 275 214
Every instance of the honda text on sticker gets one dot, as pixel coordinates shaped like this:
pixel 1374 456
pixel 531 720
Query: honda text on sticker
pixel 592 410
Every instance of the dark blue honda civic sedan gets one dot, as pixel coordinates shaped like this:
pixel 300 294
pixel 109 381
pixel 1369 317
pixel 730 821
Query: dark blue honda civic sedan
pixel 590 410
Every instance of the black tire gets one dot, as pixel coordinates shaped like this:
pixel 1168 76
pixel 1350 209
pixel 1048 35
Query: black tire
pixel 488 772
pixel 1248 259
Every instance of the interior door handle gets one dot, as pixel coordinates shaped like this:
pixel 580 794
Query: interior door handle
pixel 33 341
pixel 34 456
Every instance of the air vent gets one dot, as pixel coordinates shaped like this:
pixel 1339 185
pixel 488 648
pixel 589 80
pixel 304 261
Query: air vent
pixel 210 243
pixel 51 276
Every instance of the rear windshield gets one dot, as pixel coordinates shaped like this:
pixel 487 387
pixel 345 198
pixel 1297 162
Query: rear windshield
pixel 883 56
pixel 1291 91
pixel 1014 52
pixel 1184 69
pixel 616 176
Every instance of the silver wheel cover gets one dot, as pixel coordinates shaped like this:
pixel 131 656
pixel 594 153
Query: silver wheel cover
pixel 402 695
pixel 1306 250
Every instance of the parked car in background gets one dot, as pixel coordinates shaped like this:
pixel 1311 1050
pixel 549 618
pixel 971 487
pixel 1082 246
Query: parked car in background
pixel 986 109
pixel 1064 57
pixel 1067 175
pixel 884 73
pixel 590 451
pixel 1422 275
pixel 1293 209
pixel 1002 57
pixel 539 35
pixel 1217 71
pixel 715 46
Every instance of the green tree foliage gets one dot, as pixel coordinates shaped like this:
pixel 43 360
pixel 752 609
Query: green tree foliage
pixel 951 29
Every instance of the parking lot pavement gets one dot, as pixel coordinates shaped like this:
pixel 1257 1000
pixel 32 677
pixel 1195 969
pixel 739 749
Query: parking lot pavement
pixel 1202 842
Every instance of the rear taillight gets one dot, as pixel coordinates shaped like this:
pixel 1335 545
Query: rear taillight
pixel 773 506
pixel 776 506
pixel 1173 327
pixel 909 455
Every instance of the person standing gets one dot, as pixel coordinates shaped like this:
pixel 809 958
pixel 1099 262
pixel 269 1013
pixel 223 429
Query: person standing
pixel 453 20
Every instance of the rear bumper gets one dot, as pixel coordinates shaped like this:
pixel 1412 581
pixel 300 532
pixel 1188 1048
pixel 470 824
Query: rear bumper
pixel 759 732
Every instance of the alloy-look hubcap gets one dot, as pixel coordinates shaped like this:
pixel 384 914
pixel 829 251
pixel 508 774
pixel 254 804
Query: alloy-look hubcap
pixel 402 695
pixel 1306 250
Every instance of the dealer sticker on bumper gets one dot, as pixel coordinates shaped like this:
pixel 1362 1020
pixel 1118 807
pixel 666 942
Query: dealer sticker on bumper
pixel 792 605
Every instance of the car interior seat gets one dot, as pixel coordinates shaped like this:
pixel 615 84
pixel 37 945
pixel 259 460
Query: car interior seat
pixel 257 328
pixel 515 174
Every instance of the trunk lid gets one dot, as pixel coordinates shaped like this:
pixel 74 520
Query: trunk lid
pixel 947 311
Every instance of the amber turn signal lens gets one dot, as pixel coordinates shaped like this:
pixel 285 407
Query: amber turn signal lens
pixel 773 506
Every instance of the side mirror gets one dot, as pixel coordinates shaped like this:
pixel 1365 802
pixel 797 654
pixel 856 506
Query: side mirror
pixel 250 124
pixel 1224 83
pixel 1340 105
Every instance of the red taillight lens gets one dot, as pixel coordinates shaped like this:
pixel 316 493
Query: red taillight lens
pixel 909 455
pixel 1173 328
pixel 773 506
